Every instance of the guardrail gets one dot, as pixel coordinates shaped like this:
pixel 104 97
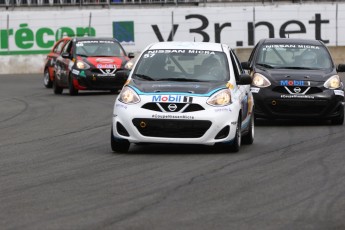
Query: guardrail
pixel 38 3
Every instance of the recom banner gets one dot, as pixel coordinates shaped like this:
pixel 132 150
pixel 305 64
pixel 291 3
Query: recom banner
pixel 35 32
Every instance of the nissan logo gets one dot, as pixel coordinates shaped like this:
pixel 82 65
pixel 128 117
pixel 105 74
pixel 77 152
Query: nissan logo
pixel 172 107
pixel 297 89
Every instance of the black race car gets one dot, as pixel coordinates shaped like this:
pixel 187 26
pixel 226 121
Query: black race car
pixel 91 63
pixel 295 78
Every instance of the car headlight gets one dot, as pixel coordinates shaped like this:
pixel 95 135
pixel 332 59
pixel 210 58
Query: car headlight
pixel 129 65
pixel 260 80
pixel 332 82
pixel 82 65
pixel 221 98
pixel 128 96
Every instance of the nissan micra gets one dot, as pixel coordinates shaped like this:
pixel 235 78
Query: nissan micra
pixel 185 93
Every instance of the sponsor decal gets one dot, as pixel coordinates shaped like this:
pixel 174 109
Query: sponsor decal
pixel 105 60
pixel 171 98
pixel 123 31
pixel 106 66
pixel 122 106
pixel 294 83
pixel 222 110
pixel 151 53
pixel 297 96
pixel 158 116
pixel 339 93
pixel 76 72
pixel 254 90
pixel 301 46
pixel 82 73
pixel 81 43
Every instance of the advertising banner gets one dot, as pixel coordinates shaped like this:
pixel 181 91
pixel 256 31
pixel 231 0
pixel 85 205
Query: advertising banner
pixel 35 32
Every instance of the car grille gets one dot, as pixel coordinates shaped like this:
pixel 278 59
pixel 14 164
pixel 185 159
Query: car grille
pixel 293 107
pixel 170 128
pixel 304 90
pixel 180 107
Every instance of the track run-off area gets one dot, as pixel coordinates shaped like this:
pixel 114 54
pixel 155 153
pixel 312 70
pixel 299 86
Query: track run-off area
pixel 57 171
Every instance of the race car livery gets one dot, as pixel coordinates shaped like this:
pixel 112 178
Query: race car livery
pixel 48 74
pixel 185 93
pixel 295 78
pixel 91 64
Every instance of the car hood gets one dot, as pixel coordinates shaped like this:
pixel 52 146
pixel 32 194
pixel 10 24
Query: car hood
pixel 319 75
pixel 106 62
pixel 204 88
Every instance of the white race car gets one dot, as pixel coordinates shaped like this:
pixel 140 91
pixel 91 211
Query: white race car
pixel 185 93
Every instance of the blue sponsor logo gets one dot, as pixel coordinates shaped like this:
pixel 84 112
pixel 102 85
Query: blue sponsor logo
pixel 172 98
pixel 292 83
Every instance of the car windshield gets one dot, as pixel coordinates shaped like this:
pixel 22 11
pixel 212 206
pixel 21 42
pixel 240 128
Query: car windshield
pixel 182 65
pixel 293 56
pixel 99 48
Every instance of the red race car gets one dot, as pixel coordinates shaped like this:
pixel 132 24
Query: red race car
pixel 91 63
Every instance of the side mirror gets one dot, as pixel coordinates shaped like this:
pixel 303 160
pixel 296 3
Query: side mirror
pixel 341 68
pixel 245 79
pixel 131 55
pixel 245 65
pixel 65 55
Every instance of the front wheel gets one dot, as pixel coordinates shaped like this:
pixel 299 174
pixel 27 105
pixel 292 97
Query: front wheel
pixel 236 144
pixel 46 79
pixel 248 139
pixel 57 89
pixel 339 120
pixel 72 90
pixel 118 145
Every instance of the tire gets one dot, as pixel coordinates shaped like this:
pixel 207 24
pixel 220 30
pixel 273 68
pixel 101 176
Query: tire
pixel 46 79
pixel 57 89
pixel 118 145
pixel 72 90
pixel 339 120
pixel 248 139
pixel 235 146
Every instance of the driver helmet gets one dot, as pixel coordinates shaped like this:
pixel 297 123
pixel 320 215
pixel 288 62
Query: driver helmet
pixel 309 58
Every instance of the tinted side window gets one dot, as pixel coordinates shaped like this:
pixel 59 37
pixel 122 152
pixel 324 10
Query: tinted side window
pixel 236 65
pixel 252 54
pixel 59 46
pixel 67 48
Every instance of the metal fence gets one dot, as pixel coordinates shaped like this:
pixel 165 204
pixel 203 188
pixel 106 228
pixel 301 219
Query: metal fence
pixel 38 3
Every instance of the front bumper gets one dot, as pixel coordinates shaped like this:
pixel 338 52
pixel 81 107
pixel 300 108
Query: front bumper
pixel 324 105
pixel 139 125
pixel 91 81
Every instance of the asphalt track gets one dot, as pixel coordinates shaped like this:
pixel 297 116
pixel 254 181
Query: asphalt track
pixel 57 171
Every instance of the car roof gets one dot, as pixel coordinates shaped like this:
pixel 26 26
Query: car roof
pixel 188 45
pixel 94 39
pixel 291 41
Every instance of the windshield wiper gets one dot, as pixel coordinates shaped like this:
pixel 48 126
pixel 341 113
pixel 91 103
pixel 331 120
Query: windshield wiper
pixel 296 67
pixel 265 65
pixel 179 79
pixel 82 55
pixel 143 76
